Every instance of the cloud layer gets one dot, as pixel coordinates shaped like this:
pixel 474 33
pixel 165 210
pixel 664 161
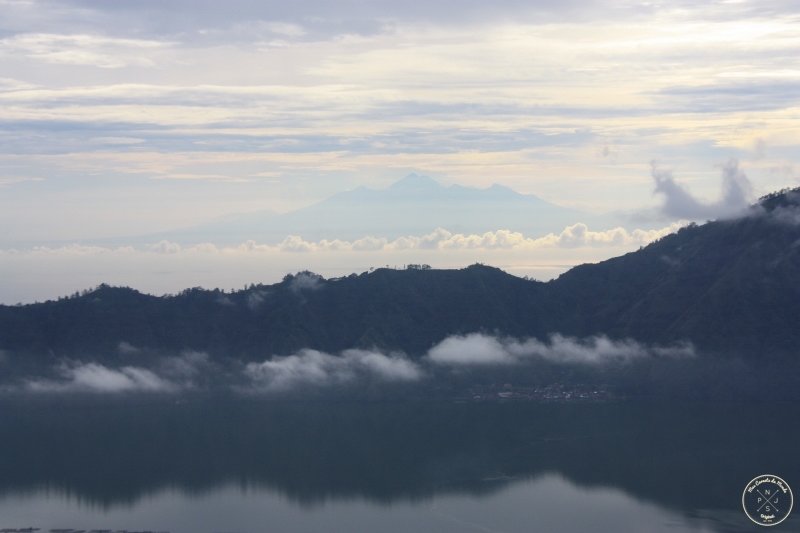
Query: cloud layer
pixel 319 370
pixel 574 236
pixel 122 117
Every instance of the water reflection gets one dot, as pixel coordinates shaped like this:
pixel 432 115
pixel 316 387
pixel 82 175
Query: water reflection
pixel 548 503
pixel 155 462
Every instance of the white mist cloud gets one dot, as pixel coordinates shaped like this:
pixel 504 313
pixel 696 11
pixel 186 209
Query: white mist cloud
pixel 305 281
pixel 577 235
pixel 597 349
pixel 196 370
pixel 255 299
pixel 573 236
pixel 126 348
pixel 169 374
pixel 312 367
pixel 788 214
pixel 94 377
pixel 83 49
pixel 165 247
pixel 185 367
pixel 471 349
pixel 480 349
pixel 679 202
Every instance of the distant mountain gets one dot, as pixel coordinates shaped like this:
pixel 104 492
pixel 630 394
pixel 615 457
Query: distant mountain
pixel 412 206
pixel 731 287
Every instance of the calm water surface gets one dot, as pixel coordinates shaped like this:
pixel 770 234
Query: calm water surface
pixel 214 464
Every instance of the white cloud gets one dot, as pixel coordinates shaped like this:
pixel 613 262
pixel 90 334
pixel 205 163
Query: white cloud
pixel 305 281
pixel 481 349
pixel 73 249
pixel 574 236
pixel 165 247
pixel 13 180
pixel 312 367
pixel 82 49
pixel 192 370
pixel 94 377
pixel 126 348
pixel 255 299
pixel 735 198
pixel 473 349
pixel 185 367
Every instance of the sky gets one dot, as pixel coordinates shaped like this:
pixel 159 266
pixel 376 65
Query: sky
pixel 130 117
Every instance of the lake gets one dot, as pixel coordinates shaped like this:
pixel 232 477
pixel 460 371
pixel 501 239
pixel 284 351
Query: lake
pixel 201 463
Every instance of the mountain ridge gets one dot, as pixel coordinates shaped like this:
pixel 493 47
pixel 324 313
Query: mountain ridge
pixel 727 286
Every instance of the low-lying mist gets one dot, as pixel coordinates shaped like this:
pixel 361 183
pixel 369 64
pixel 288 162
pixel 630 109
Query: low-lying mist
pixel 451 368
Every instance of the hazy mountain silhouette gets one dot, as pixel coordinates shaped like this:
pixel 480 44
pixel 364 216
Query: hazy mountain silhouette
pixel 414 205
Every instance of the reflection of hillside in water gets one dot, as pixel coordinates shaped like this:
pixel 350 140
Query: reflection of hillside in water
pixel 688 457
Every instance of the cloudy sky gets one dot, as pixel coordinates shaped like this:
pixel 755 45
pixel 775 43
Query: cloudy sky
pixel 122 118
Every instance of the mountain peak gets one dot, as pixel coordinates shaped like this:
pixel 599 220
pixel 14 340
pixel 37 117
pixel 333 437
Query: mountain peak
pixel 415 182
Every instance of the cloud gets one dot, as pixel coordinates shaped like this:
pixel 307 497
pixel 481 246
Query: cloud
pixel 224 300
pixel 126 348
pixel 473 349
pixel 786 215
pixel 313 19
pixel 679 203
pixel 6 181
pixel 597 349
pixel 82 49
pixel 197 370
pixel 312 367
pixel 256 298
pixel 72 250
pixel 186 367
pixel 779 92
pixel 352 67
pixel 574 236
pixel 94 377
pixel 782 207
pixel 165 247
pixel 480 349
pixel 168 374
pixel 577 235
pixel 305 281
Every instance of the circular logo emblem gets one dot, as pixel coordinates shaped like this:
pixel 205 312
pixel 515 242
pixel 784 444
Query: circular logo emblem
pixel 767 500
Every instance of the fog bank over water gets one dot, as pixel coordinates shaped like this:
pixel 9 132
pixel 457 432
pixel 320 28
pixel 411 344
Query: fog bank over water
pixel 456 357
